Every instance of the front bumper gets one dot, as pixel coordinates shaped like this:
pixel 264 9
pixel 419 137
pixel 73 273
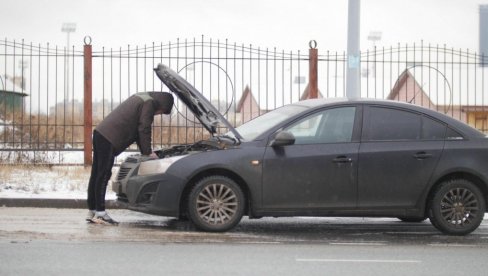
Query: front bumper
pixel 157 194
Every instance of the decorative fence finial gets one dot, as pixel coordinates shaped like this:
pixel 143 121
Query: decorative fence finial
pixel 312 44
pixel 87 40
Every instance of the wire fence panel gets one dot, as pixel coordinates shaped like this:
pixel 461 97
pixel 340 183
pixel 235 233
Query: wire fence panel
pixel 241 81
pixel 40 92
pixel 443 79
pixel 42 96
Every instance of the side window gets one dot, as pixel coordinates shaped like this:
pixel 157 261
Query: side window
pixel 453 135
pixel 387 124
pixel 329 126
pixel 432 130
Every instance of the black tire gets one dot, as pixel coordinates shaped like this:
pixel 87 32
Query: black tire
pixel 457 207
pixel 216 204
pixel 412 219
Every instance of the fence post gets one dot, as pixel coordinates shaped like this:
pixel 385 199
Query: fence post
pixel 87 102
pixel 313 68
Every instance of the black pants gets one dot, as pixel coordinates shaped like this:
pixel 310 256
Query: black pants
pixel 103 161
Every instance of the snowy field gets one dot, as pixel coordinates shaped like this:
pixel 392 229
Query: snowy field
pixel 39 181
pixel 67 182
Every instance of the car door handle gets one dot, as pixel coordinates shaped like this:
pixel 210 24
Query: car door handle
pixel 422 155
pixel 342 159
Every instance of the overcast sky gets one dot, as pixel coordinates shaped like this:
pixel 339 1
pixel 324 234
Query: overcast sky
pixel 285 24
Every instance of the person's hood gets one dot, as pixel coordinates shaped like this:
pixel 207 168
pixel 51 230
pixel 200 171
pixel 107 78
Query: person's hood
pixel 206 113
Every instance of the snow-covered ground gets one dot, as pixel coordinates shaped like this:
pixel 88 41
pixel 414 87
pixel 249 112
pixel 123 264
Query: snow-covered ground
pixel 37 181
pixel 68 182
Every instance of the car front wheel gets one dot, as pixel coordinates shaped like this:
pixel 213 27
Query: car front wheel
pixel 457 208
pixel 216 204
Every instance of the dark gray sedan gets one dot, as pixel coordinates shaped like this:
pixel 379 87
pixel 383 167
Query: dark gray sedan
pixel 331 157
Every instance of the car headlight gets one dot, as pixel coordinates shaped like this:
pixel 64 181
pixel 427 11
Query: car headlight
pixel 157 165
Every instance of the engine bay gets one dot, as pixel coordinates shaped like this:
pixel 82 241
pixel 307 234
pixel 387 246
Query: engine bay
pixel 214 143
pixel 204 145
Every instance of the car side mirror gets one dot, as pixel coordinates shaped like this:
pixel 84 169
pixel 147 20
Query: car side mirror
pixel 283 138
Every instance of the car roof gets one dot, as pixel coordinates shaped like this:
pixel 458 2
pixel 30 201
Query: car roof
pixel 452 122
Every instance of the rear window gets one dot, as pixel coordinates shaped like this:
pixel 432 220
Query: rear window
pixel 390 124
pixel 386 124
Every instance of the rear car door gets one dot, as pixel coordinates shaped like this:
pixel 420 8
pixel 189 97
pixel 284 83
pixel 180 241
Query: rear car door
pixel 398 154
pixel 319 170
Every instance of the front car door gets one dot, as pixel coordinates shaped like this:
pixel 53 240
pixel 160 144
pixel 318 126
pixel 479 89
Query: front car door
pixel 399 152
pixel 319 170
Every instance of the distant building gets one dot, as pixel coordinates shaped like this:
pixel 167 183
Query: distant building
pixel 11 94
pixel 407 89
pixel 248 107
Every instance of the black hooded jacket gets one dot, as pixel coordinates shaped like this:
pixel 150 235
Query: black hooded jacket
pixel 132 120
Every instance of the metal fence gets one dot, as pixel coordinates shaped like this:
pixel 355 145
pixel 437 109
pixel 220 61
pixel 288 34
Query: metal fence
pixel 38 101
pixel 44 88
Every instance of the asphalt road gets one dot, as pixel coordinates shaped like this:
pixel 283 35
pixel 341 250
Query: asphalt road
pixel 58 242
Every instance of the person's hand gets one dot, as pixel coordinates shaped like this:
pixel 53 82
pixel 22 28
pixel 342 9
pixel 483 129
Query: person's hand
pixel 149 157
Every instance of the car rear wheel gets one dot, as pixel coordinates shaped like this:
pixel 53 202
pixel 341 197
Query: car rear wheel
pixel 216 204
pixel 457 208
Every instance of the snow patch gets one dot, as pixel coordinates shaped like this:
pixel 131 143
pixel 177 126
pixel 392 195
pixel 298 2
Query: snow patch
pixel 61 182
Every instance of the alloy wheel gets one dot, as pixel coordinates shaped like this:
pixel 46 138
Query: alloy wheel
pixel 459 207
pixel 217 204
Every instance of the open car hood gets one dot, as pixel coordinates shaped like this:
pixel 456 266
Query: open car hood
pixel 206 113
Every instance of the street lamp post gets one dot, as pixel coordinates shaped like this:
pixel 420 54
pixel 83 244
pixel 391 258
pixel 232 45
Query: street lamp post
pixel 67 28
pixel 374 36
pixel 353 58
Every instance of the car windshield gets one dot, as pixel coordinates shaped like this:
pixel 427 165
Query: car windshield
pixel 252 129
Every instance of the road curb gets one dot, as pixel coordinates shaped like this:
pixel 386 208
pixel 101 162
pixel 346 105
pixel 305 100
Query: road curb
pixel 52 203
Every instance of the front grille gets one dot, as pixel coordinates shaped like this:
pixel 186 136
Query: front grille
pixel 123 171
pixel 131 159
